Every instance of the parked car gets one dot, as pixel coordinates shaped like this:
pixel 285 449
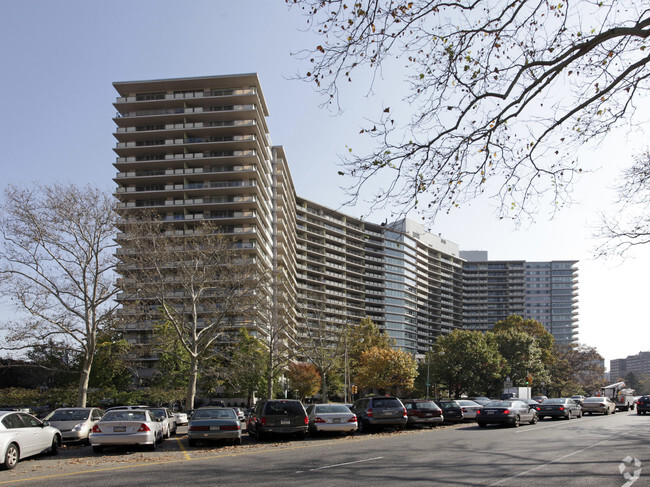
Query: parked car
pixel 126 427
pixel 23 435
pixel 559 407
pixel 168 420
pixel 74 423
pixel 214 423
pixel 181 418
pixel 377 412
pixel 240 414
pixel 539 399
pixel 482 400
pixel 423 412
pixel 578 398
pixel 469 408
pixel 119 408
pixel 602 405
pixel 278 417
pixel 331 418
pixel 451 410
pixel 510 412
pixel 643 405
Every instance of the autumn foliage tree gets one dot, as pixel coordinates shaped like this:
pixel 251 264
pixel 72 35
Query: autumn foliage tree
pixel 304 379
pixel 385 368
pixel 499 95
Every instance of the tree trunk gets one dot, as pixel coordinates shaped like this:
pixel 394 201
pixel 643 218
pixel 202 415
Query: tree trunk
pixel 191 386
pixel 323 384
pixel 82 394
pixel 269 385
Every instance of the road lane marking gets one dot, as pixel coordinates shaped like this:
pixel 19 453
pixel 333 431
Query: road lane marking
pixel 180 445
pixel 163 461
pixel 525 472
pixel 339 465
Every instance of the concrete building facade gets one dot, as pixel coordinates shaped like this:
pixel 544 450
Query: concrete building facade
pixel 196 149
pixel 544 291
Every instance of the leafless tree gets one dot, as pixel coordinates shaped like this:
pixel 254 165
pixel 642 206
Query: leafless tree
pixel 200 282
pixel 628 224
pixel 321 340
pixel 57 267
pixel 500 94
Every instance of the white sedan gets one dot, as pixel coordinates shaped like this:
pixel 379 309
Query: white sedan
pixel 22 435
pixel 126 427
pixel 469 408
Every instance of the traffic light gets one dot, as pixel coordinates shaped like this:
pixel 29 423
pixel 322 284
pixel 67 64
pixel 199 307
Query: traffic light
pixel 353 388
pixel 529 380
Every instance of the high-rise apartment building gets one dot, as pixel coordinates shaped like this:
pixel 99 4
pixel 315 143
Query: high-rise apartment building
pixel 196 149
pixel 637 364
pixel 544 291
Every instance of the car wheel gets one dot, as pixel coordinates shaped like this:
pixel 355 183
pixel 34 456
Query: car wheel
pixel 351 433
pixel 237 441
pixel 607 412
pixel 86 441
pixel 191 442
pixel 579 414
pixel 11 457
pixel 638 412
pixel 534 420
pixel 259 436
pixel 152 447
pixel 54 447
pixel 541 417
pixel 98 448
pixel 516 421
pixel 482 425
pixel 301 435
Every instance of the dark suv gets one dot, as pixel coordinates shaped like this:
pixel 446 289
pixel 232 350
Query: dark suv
pixel 643 405
pixel 376 412
pixel 278 416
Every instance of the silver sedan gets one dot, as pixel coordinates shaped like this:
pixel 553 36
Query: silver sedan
pixel 126 427
pixel 214 423
pixel 75 423
pixel 602 405
pixel 331 418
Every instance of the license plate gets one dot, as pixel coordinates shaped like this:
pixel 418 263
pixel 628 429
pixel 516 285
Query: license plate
pixel 336 420
pixel 119 429
pixel 285 421
pixel 215 428
pixel 428 415
pixel 490 412
pixel 389 413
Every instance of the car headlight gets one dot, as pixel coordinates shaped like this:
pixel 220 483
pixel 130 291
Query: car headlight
pixel 78 427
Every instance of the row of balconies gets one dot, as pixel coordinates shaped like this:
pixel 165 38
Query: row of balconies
pixel 188 140
pixel 187 156
pixel 185 126
pixel 185 110
pixel 145 97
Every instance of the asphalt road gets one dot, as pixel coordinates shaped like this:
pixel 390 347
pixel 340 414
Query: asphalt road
pixel 591 451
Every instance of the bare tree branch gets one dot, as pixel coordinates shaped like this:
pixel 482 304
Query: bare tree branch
pixel 500 93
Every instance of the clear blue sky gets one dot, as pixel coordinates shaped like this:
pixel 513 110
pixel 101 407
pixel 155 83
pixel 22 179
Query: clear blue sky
pixel 59 60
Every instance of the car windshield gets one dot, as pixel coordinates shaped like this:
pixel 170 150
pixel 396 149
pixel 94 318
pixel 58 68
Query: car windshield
pixel 554 401
pixel 125 415
pixel 214 414
pixel 331 408
pixel 158 413
pixel 425 405
pixel 468 403
pixel 449 405
pixel 498 404
pixel 67 415
pixel 283 408
pixel 594 399
pixel 386 403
